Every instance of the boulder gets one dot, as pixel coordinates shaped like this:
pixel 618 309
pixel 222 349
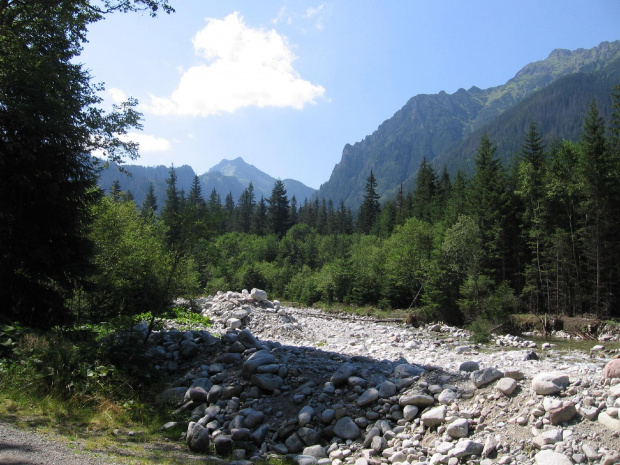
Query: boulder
pixel 608 421
pixel 562 414
pixel 316 450
pixel 258 295
pixel 506 386
pixel 248 340
pixel 342 374
pixel 612 369
pixel 262 357
pixel 405 370
pixel 548 457
pixel 223 444
pixel 386 389
pixel 305 415
pixel 346 428
pixel 434 416
pixel 267 381
pixel 459 428
pixel 367 397
pixel 410 412
pixel 419 400
pixel 467 447
pixel 550 382
pixel 469 366
pixel 485 376
pixel 197 437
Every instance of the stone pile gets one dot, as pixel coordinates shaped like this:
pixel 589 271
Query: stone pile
pixel 351 391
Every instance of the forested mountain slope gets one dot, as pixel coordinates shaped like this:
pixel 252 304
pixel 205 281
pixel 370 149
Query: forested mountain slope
pixel 438 126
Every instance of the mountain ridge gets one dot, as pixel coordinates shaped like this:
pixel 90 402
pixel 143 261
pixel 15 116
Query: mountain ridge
pixel 222 177
pixel 430 125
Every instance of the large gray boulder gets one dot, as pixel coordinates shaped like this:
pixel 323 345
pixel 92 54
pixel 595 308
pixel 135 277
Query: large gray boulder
pixel 485 376
pixel 550 382
pixel 346 428
pixel 197 437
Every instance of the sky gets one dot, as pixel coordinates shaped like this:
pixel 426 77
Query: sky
pixel 285 84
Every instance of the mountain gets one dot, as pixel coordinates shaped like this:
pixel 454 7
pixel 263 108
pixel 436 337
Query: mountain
pixel 445 128
pixel 245 173
pixel 227 176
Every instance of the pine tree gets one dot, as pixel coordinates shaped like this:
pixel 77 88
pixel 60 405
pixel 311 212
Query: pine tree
pixel 278 210
pixel 486 198
pixel 424 201
pixel 149 205
pixel 259 219
pixel 293 213
pixel 595 167
pixel 194 198
pixel 171 212
pixel 115 191
pixel 370 208
pixel 530 189
pixel 245 209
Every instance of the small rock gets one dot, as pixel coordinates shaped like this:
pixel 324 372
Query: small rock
pixel 469 366
pixel 305 415
pixel 410 412
pixel 458 428
pixel 506 386
pixel 467 447
pixel 562 414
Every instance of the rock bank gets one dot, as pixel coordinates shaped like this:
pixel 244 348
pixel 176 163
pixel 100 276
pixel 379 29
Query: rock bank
pixel 266 379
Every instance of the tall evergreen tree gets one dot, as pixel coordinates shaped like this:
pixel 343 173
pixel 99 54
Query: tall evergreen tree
pixel 595 168
pixel 278 210
pixel 424 201
pixel 245 209
pixel 259 220
pixel 370 208
pixel 171 212
pixel 115 191
pixel 195 198
pixel 149 205
pixel 486 197
pixel 534 230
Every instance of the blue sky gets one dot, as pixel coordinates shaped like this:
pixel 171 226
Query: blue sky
pixel 286 84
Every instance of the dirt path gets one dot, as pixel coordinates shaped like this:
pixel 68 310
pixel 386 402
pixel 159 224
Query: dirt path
pixel 20 447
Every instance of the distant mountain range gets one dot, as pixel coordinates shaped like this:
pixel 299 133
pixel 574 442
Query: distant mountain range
pixel 228 176
pixel 446 128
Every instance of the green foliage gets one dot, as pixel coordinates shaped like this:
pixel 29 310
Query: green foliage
pixel 185 318
pixel 136 271
pixel 50 122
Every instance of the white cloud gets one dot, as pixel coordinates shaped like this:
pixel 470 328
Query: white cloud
pixel 117 95
pixel 148 143
pixel 243 67
pixel 318 15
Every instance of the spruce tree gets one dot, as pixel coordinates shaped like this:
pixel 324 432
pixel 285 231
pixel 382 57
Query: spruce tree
pixel 424 201
pixel 486 198
pixel 172 210
pixel 278 210
pixel 370 208
pixel 149 205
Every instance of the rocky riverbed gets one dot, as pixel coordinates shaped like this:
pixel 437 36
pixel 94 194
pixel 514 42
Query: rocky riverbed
pixel 326 389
